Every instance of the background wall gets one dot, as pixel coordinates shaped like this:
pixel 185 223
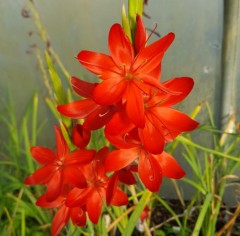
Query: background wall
pixel 82 24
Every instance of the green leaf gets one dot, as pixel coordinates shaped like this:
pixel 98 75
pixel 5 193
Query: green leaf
pixel 208 150
pixel 135 216
pixel 60 96
pixel 202 214
pixel 126 24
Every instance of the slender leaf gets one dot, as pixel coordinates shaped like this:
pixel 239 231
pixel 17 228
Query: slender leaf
pixel 136 213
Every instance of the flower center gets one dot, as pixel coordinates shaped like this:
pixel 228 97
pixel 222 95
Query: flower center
pixel 128 76
pixel 60 163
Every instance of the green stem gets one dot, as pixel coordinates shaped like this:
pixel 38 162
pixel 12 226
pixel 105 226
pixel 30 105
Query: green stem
pixel 184 140
pixel 136 213
pixel 202 214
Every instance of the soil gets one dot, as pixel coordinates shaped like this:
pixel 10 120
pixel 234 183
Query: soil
pixel 168 226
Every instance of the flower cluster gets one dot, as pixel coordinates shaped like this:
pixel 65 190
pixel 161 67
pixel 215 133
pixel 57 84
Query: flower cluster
pixel 135 110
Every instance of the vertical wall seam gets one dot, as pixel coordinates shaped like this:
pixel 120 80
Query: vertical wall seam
pixel 229 61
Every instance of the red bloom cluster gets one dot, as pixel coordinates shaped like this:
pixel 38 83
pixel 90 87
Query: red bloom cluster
pixel 134 108
pixel 76 181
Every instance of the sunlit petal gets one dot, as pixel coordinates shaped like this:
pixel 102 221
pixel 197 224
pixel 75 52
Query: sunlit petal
pixel 135 105
pixel 78 109
pixel 82 88
pixel 119 159
pixel 150 57
pixel 170 167
pixel 98 63
pixel 120 48
pixel 109 91
pixel 140 34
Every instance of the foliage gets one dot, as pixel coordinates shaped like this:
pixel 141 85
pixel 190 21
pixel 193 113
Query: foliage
pixel 19 215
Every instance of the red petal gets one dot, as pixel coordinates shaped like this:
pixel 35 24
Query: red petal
pixel 119 159
pixel 42 202
pixel 98 169
pixel 120 123
pixel 140 34
pixel 79 157
pixel 149 80
pixel 78 216
pixel 102 154
pixel 94 205
pixel 74 176
pixel 119 198
pixel 150 172
pixel 109 91
pixel 78 109
pixel 99 64
pixel 156 73
pixel 82 88
pixel 61 143
pixel 80 136
pixel 118 141
pixel 120 47
pixel 145 213
pixel 99 117
pixel 135 105
pixel 183 85
pixel 111 188
pixel 60 220
pixel 126 177
pixel 42 155
pixel 150 57
pixel 41 175
pixel 78 197
pixel 151 136
pixel 54 187
pixel 170 167
pixel 175 122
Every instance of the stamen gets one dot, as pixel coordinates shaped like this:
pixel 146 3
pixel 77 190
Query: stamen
pixel 152 32
pixel 125 137
pixel 102 115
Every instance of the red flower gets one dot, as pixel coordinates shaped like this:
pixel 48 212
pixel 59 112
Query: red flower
pixel 80 136
pixel 59 168
pixel 61 218
pixel 127 77
pixel 95 115
pixel 145 213
pixel 95 193
pixel 140 35
pixel 162 123
pixel 125 176
pixel 151 167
